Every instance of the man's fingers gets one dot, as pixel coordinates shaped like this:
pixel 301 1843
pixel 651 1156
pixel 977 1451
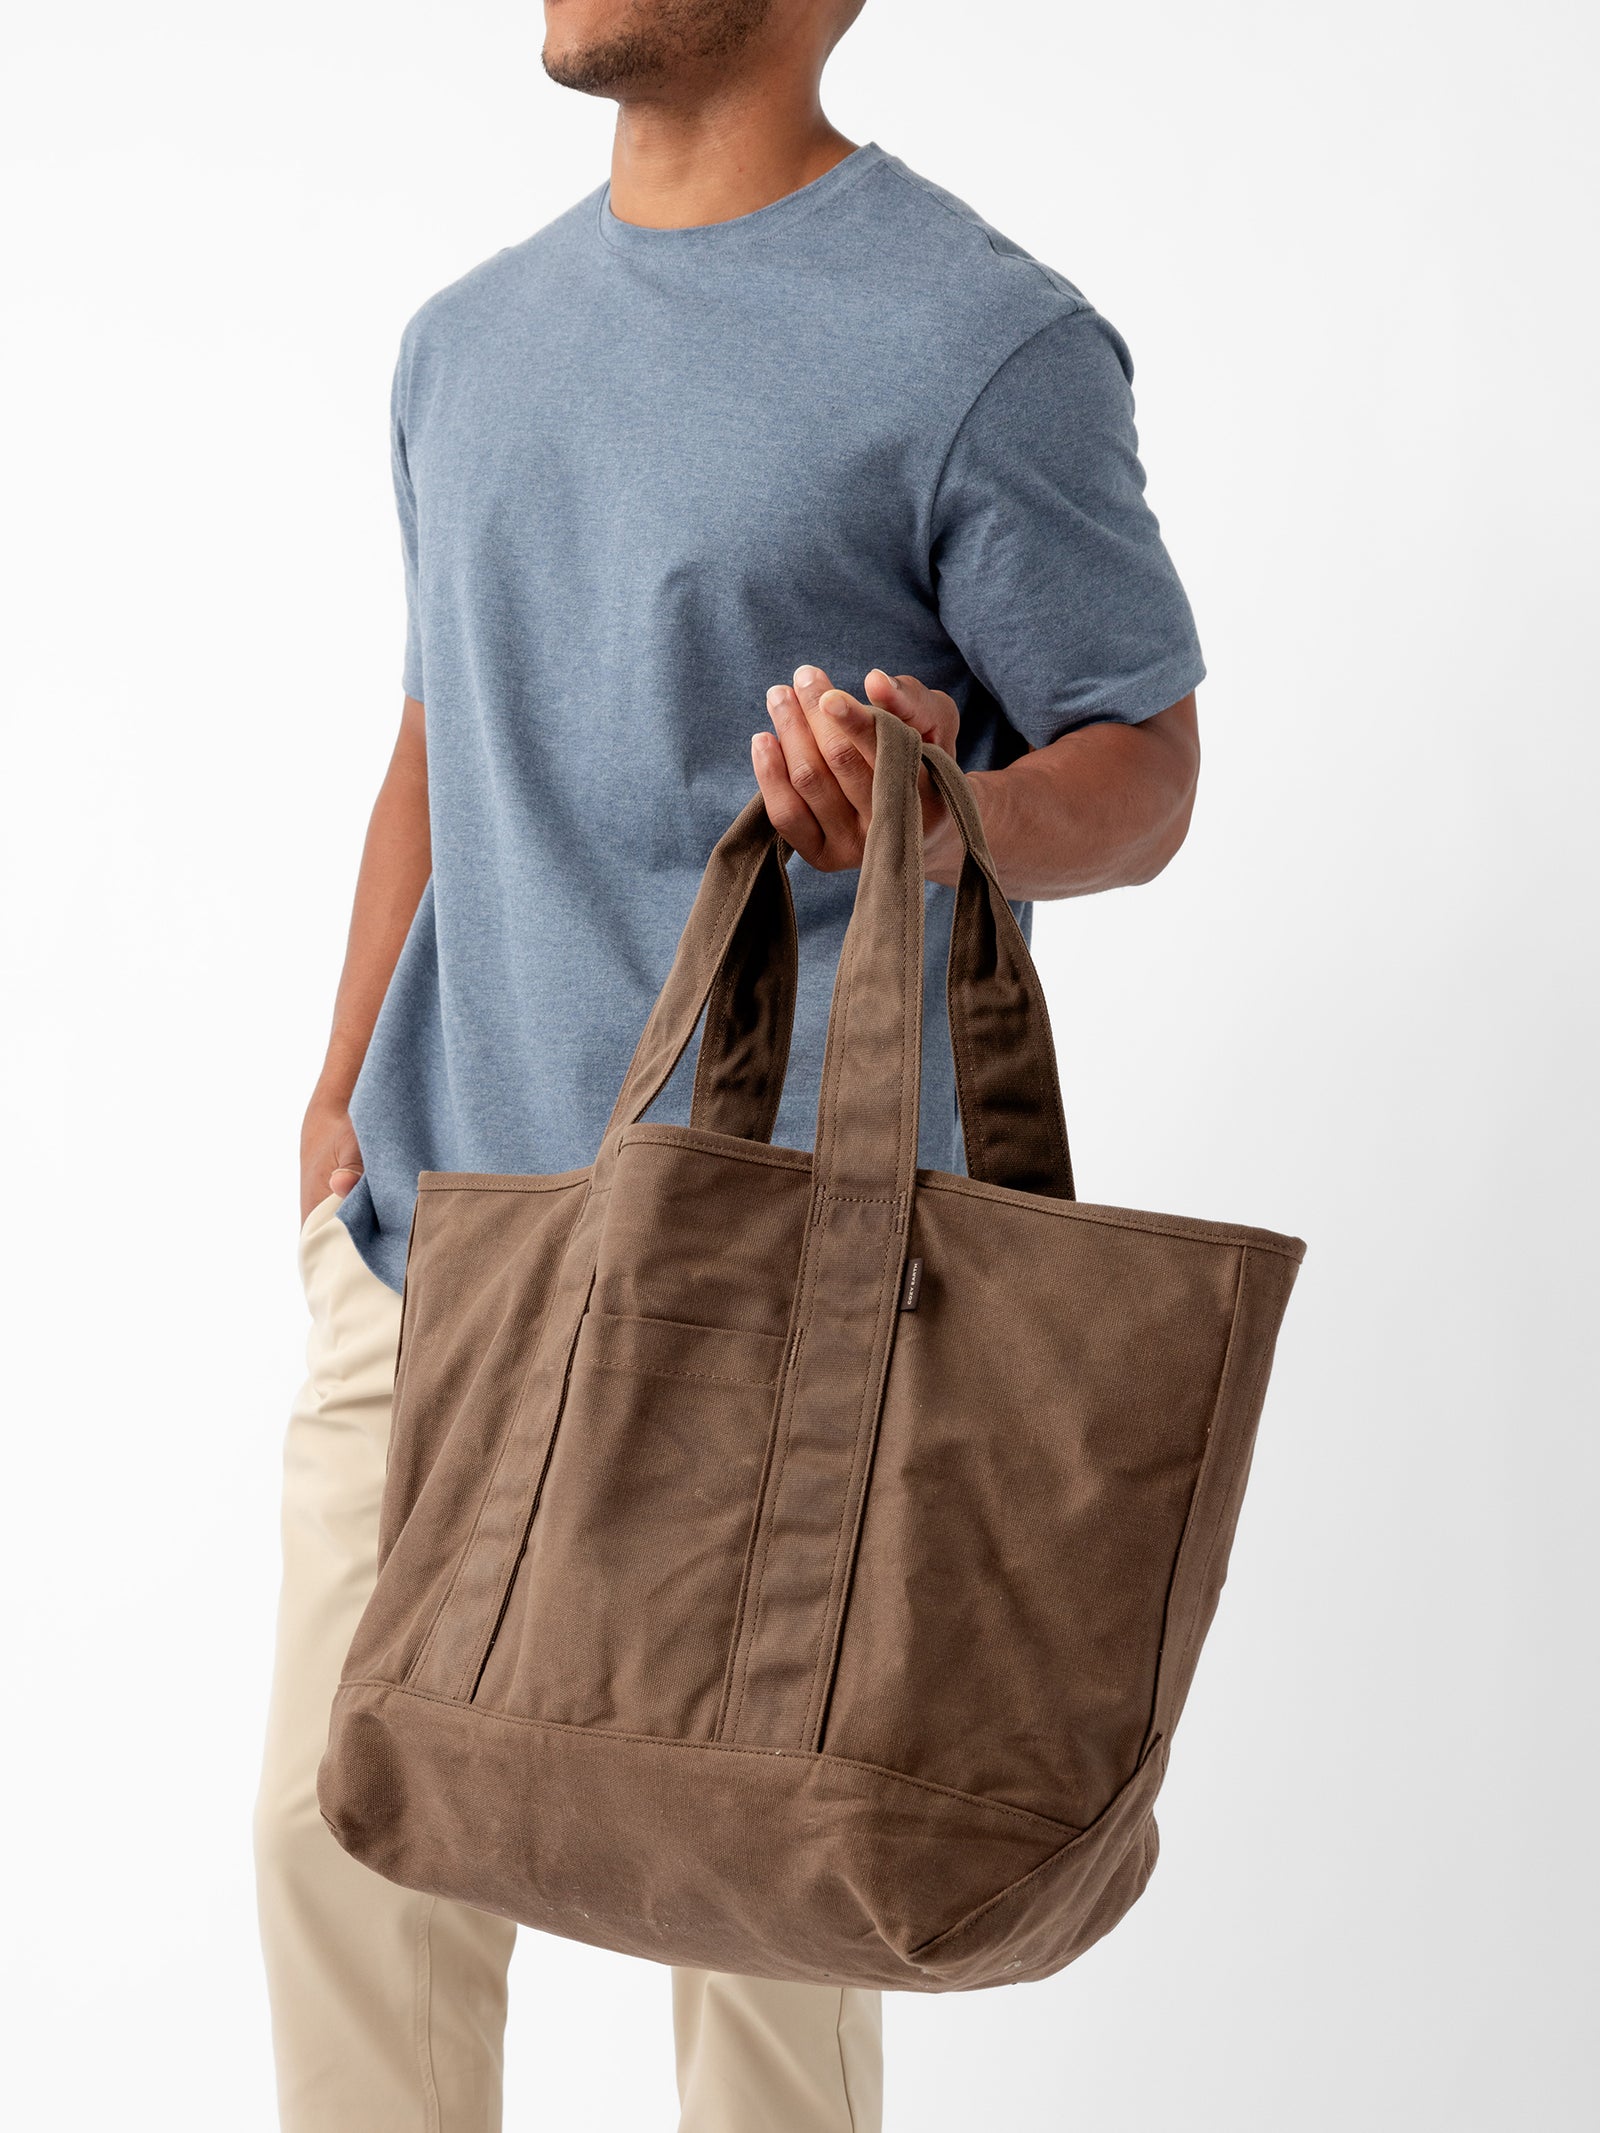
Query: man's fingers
pixel 894 692
pixel 343 1180
pixel 807 769
pixel 786 811
pixel 811 685
pixel 907 698
pixel 849 746
pixel 844 735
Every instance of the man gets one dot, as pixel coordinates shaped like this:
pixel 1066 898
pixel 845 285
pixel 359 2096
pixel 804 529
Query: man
pixel 766 412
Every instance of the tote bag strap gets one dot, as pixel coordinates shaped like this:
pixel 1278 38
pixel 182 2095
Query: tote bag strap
pixel 863 1195
pixel 738 963
pixel 1009 1093
pixel 1006 1080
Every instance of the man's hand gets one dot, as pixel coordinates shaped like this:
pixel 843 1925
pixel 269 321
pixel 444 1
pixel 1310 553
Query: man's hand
pixel 330 1160
pixel 1105 805
pixel 815 768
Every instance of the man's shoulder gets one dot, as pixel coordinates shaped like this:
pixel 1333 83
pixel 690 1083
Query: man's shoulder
pixel 951 230
pixel 988 269
pixel 957 285
pixel 480 298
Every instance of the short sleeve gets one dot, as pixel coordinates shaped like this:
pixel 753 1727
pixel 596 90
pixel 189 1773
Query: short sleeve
pixel 406 503
pixel 1051 576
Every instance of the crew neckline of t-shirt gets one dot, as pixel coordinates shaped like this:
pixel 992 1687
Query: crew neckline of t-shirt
pixel 755 227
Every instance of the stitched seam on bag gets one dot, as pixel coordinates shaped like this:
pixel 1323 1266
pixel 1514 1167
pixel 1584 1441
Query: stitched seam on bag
pixel 733 1672
pixel 783 1408
pixel 786 1416
pixel 713 1747
pixel 700 1377
pixel 1207 1450
pixel 1008 931
pixel 826 1115
pixel 731 890
pixel 1075 1211
pixel 960 1053
pixel 1252 1394
pixel 488 1181
pixel 1198 1231
pixel 864 1415
pixel 505 1578
pixel 704 1142
pixel 714 1036
pixel 872 1389
pixel 969 1918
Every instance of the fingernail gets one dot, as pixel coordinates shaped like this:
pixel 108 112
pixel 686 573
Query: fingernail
pixel 804 677
pixel 775 696
pixel 835 703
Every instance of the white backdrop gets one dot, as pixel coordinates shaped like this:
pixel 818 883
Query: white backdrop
pixel 1351 248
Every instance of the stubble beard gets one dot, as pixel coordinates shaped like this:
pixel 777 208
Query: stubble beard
pixel 659 38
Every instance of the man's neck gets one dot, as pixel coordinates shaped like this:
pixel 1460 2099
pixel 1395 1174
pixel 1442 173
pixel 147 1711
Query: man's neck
pixel 675 165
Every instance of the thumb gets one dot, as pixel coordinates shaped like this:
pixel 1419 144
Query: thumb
pixel 906 697
pixel 347 1167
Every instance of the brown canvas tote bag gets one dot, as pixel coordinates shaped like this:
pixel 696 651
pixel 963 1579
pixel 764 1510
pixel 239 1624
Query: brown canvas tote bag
pixel 795 1565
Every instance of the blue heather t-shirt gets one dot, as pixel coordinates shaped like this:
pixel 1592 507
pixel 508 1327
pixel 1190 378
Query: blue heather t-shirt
pixel 642 475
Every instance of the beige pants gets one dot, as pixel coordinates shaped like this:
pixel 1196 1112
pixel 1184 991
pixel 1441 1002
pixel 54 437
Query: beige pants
pixel 388 2007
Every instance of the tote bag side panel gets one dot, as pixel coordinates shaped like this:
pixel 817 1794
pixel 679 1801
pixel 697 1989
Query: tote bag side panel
pixel 1266 1280
pixel 1044 1423
pixel 479 1278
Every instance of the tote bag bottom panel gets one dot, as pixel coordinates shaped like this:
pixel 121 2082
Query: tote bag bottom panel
pixel 789 1866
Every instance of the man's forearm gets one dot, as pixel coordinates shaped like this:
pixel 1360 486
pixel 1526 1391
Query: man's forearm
pixel 1100 808
pixel 395 863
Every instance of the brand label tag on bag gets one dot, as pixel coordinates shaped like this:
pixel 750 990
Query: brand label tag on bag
pixel 911 1294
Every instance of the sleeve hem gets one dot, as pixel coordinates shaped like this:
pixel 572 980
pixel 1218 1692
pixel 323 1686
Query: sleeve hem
pixel 1125 702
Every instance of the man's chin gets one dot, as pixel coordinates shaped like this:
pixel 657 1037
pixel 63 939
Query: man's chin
pixel 596 70
pixel 667 42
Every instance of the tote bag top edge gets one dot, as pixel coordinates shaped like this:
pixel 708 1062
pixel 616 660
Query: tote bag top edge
pixel 714 1144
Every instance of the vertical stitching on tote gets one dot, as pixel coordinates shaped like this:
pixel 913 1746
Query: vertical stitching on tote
pixel 1175 1636
pixel 1252 1392
pixel 864 1416
pixel 816 1215
pixel 827 1113
pixel 872 1389
pixel 814 1226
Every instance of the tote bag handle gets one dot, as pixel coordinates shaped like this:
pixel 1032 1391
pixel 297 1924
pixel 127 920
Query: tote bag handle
pixel 737 961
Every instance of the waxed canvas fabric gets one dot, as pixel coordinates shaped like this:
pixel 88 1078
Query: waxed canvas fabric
pixel 795 1564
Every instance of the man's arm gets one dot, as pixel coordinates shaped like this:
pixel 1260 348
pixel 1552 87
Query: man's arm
pixel 395 864
pixel 1102 807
